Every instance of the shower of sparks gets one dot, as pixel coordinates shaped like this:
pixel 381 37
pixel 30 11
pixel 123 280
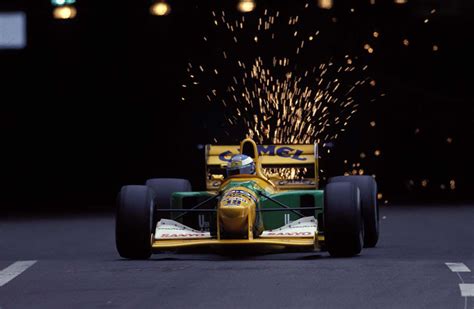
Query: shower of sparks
pixel 288 111
pixel 276 100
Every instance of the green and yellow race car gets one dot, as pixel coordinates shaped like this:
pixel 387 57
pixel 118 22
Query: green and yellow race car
pixel 258 196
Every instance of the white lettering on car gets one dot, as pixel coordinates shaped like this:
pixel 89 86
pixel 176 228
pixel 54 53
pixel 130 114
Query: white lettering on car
pixel 181 235
pixel 288 234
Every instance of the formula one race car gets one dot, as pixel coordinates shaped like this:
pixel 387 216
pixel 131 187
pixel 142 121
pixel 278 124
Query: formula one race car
pixel 276 205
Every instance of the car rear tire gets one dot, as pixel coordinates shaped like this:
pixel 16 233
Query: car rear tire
pixel 133 223
pixel 165 187
pixel 343 227
pixel 370 209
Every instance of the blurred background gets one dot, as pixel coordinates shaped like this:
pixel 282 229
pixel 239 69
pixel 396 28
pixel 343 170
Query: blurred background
pixel 98 94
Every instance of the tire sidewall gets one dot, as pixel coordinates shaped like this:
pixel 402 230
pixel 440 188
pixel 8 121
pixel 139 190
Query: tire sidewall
pixel 343 227
pixel 369 206
pixel 134 221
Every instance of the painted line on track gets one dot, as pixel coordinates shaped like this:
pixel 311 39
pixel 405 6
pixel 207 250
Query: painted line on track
pixel 12 271
pixel 458 267
pixel 467 289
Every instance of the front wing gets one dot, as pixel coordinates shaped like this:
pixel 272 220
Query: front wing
pixel 302 233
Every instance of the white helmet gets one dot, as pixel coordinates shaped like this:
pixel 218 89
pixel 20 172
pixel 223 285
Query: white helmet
pixel 240 164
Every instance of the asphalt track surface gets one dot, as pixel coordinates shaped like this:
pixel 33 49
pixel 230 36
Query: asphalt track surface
pixel 77 267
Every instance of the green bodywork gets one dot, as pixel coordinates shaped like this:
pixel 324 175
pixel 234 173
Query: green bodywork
pixel 271 220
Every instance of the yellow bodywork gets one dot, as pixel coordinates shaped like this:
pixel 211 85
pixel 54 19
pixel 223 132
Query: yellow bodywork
pixel 266 157
pixel 309 243
pixel 236 210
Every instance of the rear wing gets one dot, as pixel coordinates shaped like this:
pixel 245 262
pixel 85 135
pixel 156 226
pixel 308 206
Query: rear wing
pixel 287 166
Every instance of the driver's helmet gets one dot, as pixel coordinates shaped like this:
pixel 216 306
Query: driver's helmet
pixel 240 164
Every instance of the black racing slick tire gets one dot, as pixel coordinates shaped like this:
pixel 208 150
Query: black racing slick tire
pixel 343 227
pixel 165 187
pixel 370 209
pixel 134 222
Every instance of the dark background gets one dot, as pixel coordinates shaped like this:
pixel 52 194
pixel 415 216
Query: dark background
pixel 94 103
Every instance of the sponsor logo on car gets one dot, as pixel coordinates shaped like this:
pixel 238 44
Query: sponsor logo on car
pixel 184 235
pixel 270 150
pixel 289 234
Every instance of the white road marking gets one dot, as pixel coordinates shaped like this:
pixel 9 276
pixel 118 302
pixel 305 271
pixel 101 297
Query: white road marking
pixel 14 270
pixel 458 267
pixel 467 289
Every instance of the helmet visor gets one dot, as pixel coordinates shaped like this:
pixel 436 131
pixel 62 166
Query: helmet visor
pixel 247 169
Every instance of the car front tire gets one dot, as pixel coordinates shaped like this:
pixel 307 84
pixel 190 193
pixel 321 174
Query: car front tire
pixel 134 222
